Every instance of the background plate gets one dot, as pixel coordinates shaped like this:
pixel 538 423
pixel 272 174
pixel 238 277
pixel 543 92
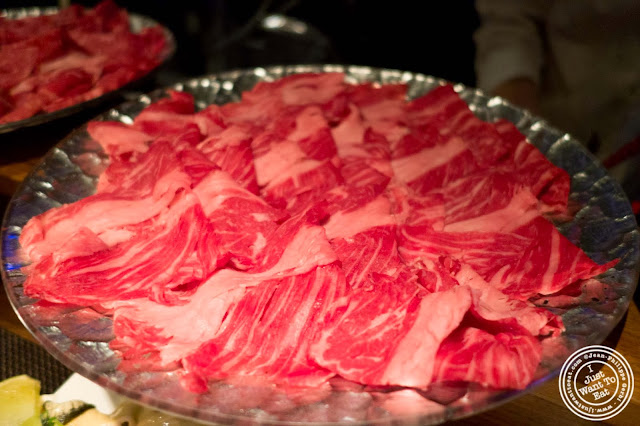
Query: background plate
pixel 604 227
pixel 136 23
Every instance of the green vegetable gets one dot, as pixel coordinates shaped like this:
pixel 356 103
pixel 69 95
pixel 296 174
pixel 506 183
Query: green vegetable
pixel 54 414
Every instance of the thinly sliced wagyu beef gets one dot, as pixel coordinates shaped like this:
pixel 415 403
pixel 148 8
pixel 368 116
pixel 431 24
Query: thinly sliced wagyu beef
pixel 230 149
pixel 532 259
pixel 232 210
pixel 59 60
pixel 388 334
pixel 137 267
pixel 549 183
pixel 304 249
pixel 45 234
pixel 504 360
pixel 271 329
pixel 366 248
pixel 314 234
pixel 118 138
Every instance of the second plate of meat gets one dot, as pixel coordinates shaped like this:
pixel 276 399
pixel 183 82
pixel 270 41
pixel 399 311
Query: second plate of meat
pixel 319 244
pixel 55 63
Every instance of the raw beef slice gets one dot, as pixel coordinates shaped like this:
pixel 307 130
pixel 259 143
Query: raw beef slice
pixel 389 333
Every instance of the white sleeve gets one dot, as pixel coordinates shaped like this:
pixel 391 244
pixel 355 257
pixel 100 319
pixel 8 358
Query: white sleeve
pixel 508 41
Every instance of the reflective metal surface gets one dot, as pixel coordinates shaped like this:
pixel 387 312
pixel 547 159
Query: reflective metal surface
pixel 136 22
pixel 603 226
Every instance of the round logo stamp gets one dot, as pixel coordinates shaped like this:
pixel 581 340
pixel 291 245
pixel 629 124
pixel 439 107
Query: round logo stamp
pixel 596 383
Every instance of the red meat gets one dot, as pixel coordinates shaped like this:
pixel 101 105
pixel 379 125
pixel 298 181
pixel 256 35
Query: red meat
pixel 313 229
pixel 70 57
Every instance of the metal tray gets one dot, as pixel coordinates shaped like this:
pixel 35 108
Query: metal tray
pixel 136 22
pixel 603 226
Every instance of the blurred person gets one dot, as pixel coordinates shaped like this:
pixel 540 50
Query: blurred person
pixel 575 63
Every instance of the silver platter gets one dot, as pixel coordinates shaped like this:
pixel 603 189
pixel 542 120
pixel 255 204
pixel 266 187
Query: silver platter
pixel 603 226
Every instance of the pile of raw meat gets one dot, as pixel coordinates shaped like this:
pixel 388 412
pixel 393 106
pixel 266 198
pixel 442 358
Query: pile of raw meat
pixel 316 229
pixel 51 62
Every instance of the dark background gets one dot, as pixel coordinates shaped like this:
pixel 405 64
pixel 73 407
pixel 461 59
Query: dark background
pixel 430 37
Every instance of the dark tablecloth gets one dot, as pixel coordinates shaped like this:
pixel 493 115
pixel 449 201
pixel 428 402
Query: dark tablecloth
pixel 19 356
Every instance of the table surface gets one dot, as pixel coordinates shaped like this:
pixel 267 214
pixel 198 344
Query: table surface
pixel 20 152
